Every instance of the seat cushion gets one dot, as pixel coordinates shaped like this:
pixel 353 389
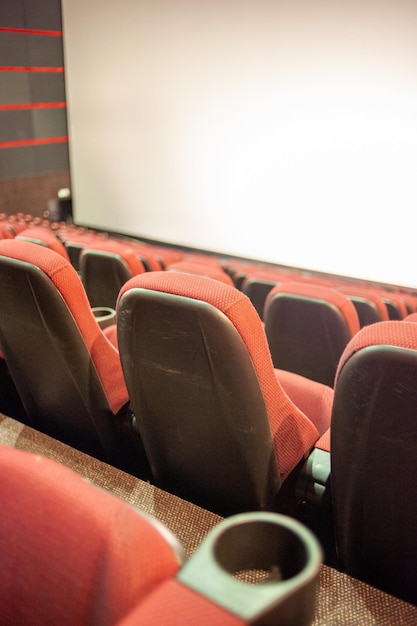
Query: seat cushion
pixel 311 397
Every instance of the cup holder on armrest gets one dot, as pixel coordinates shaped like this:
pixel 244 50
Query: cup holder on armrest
pixel 105 316
pixel 262 567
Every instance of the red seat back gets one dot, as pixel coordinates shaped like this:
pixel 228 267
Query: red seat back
pixel 45 237
pixel 72 554
pixel 67 373
pixel 209 269
pixel 307 327
pixel 199 374
pixel 374 458
pixel 105 265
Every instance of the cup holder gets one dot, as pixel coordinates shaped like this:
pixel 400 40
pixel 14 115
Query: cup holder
pixel 262 567
pixel 105 316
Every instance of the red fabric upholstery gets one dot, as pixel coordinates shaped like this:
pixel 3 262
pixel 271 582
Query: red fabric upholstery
pixel 271 274
pixel 324 442
pixel 202 259
pixel 149 255
pixel 293 432
pixel 62 274
pixel 201 269
pixel 369 294
pixel 111 333
pixel 166 255
pixel 6 232
pixel 393 333
pixel 396 301
pixel 16 224
pixel 74 239
pixel 173 604
pixel 70 232
pixel 411 317
pixel 373 447
pixel 127 252
pixel 72 554
pixel 312 398
pixel 307 327
pixel 44 236
pixel 339 300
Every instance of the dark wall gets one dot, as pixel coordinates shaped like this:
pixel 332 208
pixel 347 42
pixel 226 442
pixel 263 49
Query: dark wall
pixel 33 128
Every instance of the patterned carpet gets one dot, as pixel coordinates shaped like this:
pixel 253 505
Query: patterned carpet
pixel 341 600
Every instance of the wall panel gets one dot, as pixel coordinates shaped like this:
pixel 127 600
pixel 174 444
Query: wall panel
pixel 33 124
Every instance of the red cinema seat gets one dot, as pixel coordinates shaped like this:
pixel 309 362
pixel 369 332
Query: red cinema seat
pixel 6 231
pixel 374 457
pixel 165 255
pixel 67 373
pixel 75 238
pixel 217 425
pixel 105 265
pixel 71 553
pixel 209 269
pixel 369 306
pixel 44 237
pixel 257 286
pixel 411 317
pixel 307 327
pixel 397 309
pixel 16 223
pixel 231 580
pixel 75 555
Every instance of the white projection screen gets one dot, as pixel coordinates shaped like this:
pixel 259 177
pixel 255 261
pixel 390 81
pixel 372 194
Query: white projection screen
pixel 279 130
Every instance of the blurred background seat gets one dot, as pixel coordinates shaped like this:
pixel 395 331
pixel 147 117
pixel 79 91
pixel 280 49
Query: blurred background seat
pixel 374 457
pixel 307 327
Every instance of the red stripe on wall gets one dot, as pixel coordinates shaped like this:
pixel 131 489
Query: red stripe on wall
pixel 33 142
pixel 7 68
pixel 31 31
pixel 33 105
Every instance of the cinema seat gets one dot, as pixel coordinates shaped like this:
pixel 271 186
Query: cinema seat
pixel 257 287
pixel 217 425
pixel 105 265
pixel 165 255
pixel 374 457
pixel 74 238
pixel 307 327
pixel 68 375
pixel 253 568
pixel 369 305
pixel 6 231
pixel 209 269
pixel 72 554
pixel 44 237
pixel 410 300
pixel 16 223
pixel 397 309
pixel 75 555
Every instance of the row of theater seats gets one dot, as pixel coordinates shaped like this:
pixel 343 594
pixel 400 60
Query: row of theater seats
pixel 187 395
pixel 308 318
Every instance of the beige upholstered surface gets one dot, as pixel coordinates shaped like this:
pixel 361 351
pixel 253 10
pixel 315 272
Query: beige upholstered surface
pixel 341 600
